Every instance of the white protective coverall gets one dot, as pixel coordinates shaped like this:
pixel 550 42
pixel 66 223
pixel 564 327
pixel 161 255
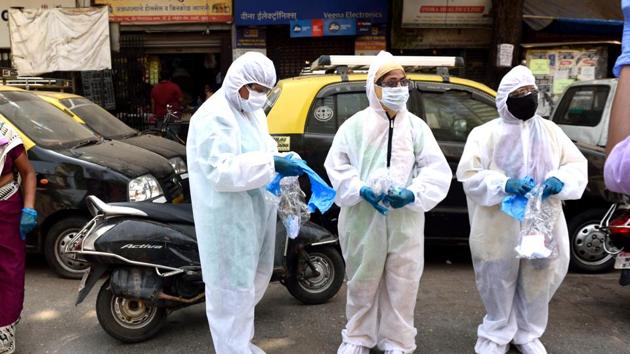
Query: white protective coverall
pixel 230 161
pixel 384 254
pixel 515 292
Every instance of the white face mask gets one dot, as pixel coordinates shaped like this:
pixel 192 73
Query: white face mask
pixel 395 98
pixel 255 101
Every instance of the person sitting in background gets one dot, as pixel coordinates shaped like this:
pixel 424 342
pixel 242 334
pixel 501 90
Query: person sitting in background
pixel 617 168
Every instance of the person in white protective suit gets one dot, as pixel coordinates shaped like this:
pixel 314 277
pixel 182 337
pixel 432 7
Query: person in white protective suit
pixel 384 254
pixel 231 158
pixel 497 157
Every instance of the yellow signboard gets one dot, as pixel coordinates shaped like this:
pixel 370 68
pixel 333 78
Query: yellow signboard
pixel 284 143
pixel 168 11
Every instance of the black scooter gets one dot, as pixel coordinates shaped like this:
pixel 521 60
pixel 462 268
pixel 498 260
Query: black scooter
pixel 148 254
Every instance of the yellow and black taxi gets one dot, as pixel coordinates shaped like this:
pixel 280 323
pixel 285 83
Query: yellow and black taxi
pixel 305 112
pixel 71 162
pixel 109 127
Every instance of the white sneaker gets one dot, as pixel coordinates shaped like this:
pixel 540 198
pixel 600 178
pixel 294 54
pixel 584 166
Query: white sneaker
pixel 533 347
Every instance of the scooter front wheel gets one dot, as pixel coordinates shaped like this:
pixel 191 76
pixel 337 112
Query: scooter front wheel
pixel 313 289
pixel 128 320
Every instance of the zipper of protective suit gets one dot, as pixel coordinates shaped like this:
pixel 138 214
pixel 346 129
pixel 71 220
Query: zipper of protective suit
pixel 389 142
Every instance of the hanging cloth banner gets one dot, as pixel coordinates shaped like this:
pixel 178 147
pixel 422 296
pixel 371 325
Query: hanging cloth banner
pixel 47 40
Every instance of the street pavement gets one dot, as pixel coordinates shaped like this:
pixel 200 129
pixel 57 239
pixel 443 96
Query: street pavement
pixel 589 314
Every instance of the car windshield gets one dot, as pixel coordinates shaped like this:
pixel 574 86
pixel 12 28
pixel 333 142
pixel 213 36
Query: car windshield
pixel 46 125
pixel 98 119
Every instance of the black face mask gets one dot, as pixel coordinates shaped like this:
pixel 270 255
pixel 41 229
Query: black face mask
pixel 524 107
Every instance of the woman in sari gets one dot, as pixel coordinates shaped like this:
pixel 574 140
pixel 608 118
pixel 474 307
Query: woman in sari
pixel 17 218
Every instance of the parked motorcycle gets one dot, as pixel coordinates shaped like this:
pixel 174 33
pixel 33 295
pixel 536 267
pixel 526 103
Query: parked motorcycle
pixel 149 257
pixel 616 226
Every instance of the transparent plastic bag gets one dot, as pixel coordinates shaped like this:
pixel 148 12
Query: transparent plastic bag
pixel 381 182
pixel 292 208
pixel 536 239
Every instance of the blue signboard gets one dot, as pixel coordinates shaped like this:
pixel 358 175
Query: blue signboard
pixel 341 27
pixel 302 28
pixel 319 28
pixel 280 12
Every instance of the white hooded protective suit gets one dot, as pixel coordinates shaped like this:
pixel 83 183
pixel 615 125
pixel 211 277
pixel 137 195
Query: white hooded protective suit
pixel 230 161
pixel 384 254
pixel 515 292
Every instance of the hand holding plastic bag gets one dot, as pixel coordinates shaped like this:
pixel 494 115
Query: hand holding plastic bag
pixel 399 197
pixel 292 209
pixel 373 199
pixel 536 239
pixel 519 186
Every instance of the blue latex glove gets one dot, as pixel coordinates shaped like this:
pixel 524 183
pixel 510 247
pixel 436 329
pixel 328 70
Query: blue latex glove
pixel 552 186
pixel 519 186
pixel 28 222
pixel 287 166
pixel 368 194
pixel 400 197
pixel 624 57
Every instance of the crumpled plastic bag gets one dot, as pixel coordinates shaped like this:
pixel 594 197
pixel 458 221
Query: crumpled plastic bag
pixel 536 239
pixel 322 195
pixel 292 208
pixel 515 205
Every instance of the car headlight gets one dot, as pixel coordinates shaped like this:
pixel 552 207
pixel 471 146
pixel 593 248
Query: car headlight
pixel 144 188
pixel 179 165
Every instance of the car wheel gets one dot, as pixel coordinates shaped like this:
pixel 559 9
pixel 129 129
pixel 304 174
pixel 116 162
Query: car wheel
pixel 587 243
pixel 128 320
pixel 319 289
pixel 65 265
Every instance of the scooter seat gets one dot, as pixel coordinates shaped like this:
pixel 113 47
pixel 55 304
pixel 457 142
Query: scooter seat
pixel 168 213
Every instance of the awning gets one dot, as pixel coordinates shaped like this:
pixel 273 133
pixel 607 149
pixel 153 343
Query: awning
pixel 598 17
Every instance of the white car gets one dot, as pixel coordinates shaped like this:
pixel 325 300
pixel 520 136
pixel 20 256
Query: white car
pixel 583 111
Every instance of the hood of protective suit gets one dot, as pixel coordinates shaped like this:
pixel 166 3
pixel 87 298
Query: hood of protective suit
pixel 251 67
pixel 382 59
pixel 518 77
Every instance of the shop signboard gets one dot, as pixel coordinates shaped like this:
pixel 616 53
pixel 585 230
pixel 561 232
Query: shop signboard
pixel 370 41
pixel 250 39
pixel 168 11
pixel 282 12
pixel 446 13
pixel 5 5
pixel 321 27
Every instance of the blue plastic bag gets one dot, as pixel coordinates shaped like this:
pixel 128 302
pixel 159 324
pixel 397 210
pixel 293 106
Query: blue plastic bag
pixel 322 195
pixel 514 206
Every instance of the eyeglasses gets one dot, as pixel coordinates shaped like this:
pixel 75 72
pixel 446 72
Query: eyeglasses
pixel 394 83
pixel 258 88
pixel 523 91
